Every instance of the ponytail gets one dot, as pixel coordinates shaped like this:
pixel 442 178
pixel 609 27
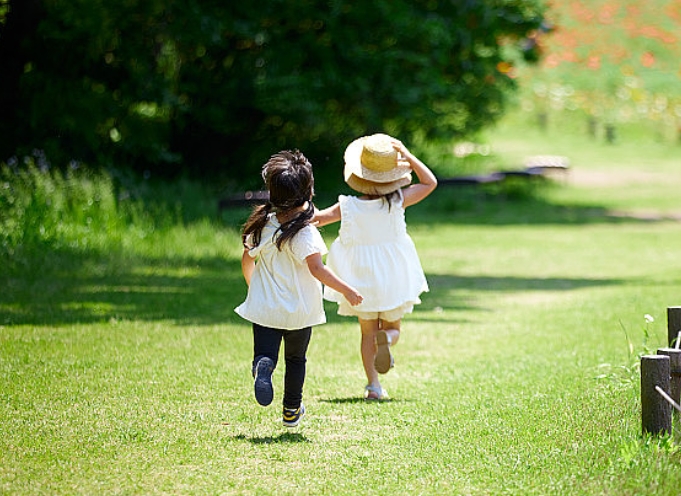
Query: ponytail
pixel 255 224
pixel 291 228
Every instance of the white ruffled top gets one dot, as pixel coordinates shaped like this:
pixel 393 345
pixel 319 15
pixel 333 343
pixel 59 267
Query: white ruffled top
pixel 283 293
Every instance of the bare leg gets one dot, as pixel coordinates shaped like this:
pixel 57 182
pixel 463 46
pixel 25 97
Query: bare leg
pixel 369 330
pixel 392 329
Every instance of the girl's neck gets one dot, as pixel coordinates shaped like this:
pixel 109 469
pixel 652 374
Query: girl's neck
pixel 284 217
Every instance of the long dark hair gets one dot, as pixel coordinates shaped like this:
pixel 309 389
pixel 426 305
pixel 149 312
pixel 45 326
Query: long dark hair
pixel 290 182
pixel 388 198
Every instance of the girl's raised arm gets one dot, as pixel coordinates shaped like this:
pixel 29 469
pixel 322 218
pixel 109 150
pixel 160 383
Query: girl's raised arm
pixel 427 180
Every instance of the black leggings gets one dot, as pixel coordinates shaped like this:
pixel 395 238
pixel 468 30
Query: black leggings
pixel 267 342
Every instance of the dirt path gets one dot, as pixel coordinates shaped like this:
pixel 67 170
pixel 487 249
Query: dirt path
pixel 603 179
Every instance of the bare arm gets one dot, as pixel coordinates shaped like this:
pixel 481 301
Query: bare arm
pixel 427 180
pixel 247 265
pixel 327 216
pixel 328 278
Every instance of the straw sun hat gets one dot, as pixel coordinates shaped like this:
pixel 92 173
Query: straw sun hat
pixel 373 166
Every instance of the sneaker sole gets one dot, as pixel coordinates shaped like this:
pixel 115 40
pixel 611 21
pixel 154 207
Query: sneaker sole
pixel 264 393
pixel 384 360
pixel 294 423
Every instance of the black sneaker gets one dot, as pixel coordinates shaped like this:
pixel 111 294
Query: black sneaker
pixel 292 416
pixel 263 381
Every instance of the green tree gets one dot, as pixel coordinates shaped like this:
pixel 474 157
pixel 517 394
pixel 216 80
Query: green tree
pixel 214 87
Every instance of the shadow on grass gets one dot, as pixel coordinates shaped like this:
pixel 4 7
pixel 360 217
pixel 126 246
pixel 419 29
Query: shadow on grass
pixel 444 291
pixel 512 283
pixel 192 292
pixel 356 400
pixel 485 207
pixel 76 288
pixel 286 437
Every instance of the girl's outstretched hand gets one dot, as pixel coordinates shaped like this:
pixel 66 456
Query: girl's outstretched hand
pixel 326 276
pixel 353 297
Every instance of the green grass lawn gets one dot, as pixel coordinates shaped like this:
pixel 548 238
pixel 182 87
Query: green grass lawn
pixel 126 371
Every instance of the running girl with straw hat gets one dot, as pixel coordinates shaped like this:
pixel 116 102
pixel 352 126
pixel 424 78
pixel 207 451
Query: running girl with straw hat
pixel 373 252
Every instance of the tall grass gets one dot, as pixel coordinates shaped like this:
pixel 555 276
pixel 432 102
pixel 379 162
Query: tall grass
pixel 47 211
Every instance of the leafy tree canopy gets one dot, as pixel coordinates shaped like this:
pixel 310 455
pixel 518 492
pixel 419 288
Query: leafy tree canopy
pixel 214 88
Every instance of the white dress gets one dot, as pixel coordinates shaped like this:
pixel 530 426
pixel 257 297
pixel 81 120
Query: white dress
pixel 375 254
pixel 283 293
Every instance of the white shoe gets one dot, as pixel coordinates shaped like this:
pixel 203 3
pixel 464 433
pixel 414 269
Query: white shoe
pixel 375 393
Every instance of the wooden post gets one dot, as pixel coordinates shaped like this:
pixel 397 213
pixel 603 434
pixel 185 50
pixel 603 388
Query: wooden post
pixel 674 355
pixel 673 325
pixel 610 133
pixel 656 412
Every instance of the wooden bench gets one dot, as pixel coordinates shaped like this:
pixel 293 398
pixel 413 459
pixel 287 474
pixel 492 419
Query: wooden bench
pixel 547 163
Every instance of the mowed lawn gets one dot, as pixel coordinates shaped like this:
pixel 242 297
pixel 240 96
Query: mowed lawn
pixel 129 373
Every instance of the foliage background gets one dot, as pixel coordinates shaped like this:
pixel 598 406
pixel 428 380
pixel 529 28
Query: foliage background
pixel 213 88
